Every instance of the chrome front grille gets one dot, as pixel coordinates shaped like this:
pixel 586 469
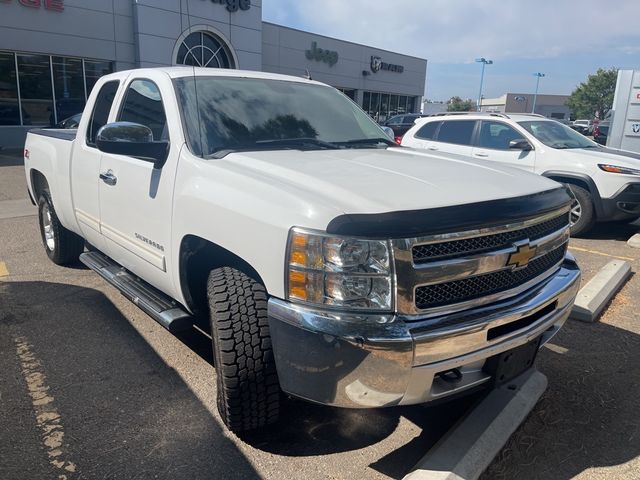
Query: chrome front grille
pixel 451 272
pixel 468 246
pixel 430 296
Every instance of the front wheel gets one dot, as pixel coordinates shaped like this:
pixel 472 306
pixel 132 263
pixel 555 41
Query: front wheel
pixel 248 389
pixel 63 247
pixel 582 212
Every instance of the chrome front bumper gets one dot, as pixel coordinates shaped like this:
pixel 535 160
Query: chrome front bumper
pixel 362 361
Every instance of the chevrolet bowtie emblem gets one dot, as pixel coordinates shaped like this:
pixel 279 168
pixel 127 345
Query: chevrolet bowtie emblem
pixel 522 256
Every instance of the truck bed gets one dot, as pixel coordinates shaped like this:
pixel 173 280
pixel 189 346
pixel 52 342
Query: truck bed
pixel 68 134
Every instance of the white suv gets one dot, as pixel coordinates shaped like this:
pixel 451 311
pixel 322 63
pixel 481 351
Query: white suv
pixel 605 181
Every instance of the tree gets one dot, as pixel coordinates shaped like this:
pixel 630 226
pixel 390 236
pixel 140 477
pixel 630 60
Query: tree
pixel 595 96
pixel 456 104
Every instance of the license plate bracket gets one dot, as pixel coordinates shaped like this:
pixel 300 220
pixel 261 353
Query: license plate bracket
pixel 505 366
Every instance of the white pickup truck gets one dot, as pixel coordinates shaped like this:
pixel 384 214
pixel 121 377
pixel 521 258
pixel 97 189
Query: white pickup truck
pixel 331 263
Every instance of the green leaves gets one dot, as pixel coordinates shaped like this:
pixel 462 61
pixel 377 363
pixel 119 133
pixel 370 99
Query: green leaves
pixel 456 104
pixel 595 95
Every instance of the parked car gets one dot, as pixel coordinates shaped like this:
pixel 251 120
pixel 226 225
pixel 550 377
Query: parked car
pixel 331 263
pixel 71 122
pixel 606 182
pixel 401 123
pixel 584 127
pixel 601 132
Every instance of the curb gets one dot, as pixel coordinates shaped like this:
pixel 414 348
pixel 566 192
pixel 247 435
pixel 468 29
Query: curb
pixel 634 241
pixel 594 296
pixel 471 445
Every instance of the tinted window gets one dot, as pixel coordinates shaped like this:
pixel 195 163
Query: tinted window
pixel 497 135
pixel 428 132
pixel 35 89
pixel 395 120
pixel 228 113
pixel 143 105
pixel 68 84
pixel 457 131
pixel 101 110
pixel 9 109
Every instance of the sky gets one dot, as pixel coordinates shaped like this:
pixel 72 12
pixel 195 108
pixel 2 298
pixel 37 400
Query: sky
pixel 564 39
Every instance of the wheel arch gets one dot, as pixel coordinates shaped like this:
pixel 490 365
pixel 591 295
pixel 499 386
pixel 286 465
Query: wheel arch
pixel 579 180
pixel 39 183
pixel 197 257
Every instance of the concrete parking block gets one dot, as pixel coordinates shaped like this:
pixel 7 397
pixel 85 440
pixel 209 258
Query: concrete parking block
pixel 594 296
pixel 634 241
pixel 470 446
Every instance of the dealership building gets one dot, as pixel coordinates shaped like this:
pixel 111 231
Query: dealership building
pixel 53 51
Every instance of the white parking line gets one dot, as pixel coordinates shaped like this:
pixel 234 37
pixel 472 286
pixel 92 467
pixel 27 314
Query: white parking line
pixel 47 417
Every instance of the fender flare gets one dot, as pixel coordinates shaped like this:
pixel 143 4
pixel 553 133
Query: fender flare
pixel 579 179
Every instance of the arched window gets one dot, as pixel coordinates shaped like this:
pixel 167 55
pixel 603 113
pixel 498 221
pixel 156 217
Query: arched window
pixel 203 49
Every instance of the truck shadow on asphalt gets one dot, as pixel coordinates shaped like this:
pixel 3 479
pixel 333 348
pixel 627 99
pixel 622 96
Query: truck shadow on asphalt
pixel 611 231
pixel 125 413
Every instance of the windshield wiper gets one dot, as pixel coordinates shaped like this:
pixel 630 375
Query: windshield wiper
pixel 302 141
pixel 369 141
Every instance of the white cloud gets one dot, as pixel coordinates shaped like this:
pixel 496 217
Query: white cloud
pixel 456 31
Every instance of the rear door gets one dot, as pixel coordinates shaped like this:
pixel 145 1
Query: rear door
pixel 493 144
pixel 85 164
pixel 135 210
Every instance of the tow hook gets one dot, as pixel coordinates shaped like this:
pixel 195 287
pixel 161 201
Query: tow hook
pixel 451 376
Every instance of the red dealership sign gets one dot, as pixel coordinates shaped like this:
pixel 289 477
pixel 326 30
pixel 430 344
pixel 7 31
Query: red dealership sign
pixel 54 5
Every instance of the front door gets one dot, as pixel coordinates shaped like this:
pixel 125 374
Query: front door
pixel 493 144
pixel 136 201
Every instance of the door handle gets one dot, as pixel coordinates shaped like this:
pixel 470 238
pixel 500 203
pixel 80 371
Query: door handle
pixel 483 155
pixel 109 178
pixel 431 147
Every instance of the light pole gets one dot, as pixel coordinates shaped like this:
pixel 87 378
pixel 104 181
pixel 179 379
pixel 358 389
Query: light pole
pixel 538 76
pixel 484 62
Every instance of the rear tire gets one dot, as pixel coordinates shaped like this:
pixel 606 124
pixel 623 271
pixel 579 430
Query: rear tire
pixel 248 388
pixel 582 213
pixel 63 247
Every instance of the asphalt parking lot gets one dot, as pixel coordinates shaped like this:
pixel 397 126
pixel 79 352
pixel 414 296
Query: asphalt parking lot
pixel 93 388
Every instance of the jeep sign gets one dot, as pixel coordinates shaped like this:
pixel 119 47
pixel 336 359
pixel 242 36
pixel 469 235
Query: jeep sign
pixel 327 56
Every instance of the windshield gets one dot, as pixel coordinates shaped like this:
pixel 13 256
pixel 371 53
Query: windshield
pixel 259 114
pixel 556 135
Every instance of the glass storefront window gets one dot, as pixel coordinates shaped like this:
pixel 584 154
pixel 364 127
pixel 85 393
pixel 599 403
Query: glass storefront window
pixel 366 102
pixel 375 106
pixel 36 93
pixel 93 70
pixel 68 86
pixel 384 107
pixel 410 104
pixel 393 105
pixel 9 106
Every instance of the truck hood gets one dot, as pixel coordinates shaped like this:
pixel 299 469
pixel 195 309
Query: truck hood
pixel 384 180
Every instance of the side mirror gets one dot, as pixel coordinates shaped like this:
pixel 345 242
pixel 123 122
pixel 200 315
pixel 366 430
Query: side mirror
pixel 388 131
pixel 133 140
pixel 520 144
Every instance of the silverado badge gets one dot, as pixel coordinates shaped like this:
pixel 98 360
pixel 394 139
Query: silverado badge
pixel 522 256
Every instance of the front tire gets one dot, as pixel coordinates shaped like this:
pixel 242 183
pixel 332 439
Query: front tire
pixel 248 389
pixel 582 212
pixel 63 247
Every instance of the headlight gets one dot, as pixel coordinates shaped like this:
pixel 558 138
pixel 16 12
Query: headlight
pixel 616 169
pixel 339 272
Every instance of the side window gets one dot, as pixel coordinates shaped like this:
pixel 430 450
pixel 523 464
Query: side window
pixel 101 110
pixel 497 135
pixel 143 104
pixel 395 121
pixel 459 132
pixel 428 132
